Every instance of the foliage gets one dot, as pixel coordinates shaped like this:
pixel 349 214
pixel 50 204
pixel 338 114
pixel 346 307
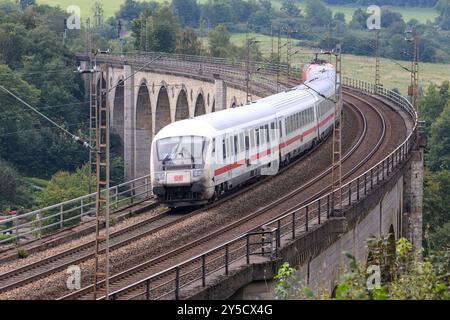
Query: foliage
pixel 404 276
pixel 219 41
pixel 439 142
pixel 188 43
pixel 443 6
pixel 156 30
pixel 285 281
pixel 188 12
pixel 34 56
pixel 66 186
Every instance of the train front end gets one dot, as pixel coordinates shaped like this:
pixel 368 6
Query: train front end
pixel 179 166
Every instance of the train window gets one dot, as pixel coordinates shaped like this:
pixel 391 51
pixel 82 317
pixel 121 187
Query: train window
pixel 241 142
pixel 261 133
pixel 230 146
pixel 247 143
pixel 281 129
pixel 272 130
pixel 257 137
pixel 213 152
pixel 236 145
pixel 267 133
pixel 224 149
pixel 252 138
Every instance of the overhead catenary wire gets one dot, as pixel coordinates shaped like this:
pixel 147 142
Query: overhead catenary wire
pixel 74 137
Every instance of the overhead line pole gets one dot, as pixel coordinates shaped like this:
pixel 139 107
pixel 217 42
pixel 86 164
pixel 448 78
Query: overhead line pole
pixel 377 61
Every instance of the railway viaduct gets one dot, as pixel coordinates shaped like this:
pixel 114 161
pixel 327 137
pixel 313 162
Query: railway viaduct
pixel 177 87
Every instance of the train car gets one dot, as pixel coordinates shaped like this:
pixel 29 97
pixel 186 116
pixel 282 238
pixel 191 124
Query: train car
pixel 198 160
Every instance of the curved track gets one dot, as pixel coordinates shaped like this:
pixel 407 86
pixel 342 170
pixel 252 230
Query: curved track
pixel 257 218
pixel 372 141
pixel 21 276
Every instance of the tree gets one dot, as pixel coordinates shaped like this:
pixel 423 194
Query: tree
pixel 10 184
pixel 131 9
pixel 439 142
pixel 189 43
pixel 156 30
pixel 65 186
pixel 290 7
pixel 219 41
pixel 188 12
pixel 26 3
pixel 359 19
pixel 317 14
pixel 443 6
pixel 433 102
pixel 436 209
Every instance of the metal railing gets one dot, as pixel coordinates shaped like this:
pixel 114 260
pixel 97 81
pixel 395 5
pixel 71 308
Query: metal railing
pixel 168 283
pixel 36 224
pixel 262 75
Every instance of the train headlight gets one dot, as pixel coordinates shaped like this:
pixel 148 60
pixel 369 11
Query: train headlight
pixel 197 173
pixel 159 177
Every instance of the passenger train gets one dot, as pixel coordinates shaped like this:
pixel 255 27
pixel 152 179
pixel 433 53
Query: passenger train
pixel 198 160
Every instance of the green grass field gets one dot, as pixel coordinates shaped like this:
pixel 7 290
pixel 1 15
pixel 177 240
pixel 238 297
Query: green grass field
pixel 362 67
pixel 112 6
pixel 421 14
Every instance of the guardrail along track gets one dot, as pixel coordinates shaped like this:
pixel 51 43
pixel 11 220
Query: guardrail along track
pixel 126 278
pixel 168 283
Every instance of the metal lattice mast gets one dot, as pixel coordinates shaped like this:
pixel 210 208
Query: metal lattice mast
pixel 288 57
pixel 336 172
pixel 414 88
pixel 279 60
pixel 377 61
pixel 102 200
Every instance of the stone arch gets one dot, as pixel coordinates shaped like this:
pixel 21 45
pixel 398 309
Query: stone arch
pixel 200 107
pixel 144 131
pixel 162 113
pixel 118 120
pixel 213 108
pixel 182 111
pixel 233 103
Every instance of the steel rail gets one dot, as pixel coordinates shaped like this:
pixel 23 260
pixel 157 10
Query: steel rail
pixel 152 263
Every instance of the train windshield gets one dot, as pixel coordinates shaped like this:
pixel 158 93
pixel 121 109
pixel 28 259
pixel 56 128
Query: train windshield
pixel 185 149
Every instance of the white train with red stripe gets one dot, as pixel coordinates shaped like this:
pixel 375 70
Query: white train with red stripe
pixel 196 161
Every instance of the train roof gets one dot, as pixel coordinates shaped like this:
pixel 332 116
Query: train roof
pixel 208 124
pixel 266 108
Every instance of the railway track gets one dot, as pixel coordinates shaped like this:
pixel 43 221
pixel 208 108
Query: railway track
pixel 21 276
pixel 152 266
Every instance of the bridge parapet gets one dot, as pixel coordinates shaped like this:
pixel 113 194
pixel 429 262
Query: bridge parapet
pixel 262 75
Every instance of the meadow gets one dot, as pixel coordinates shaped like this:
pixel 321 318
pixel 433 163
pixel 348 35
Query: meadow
pixel 361 67
pixel 112 6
